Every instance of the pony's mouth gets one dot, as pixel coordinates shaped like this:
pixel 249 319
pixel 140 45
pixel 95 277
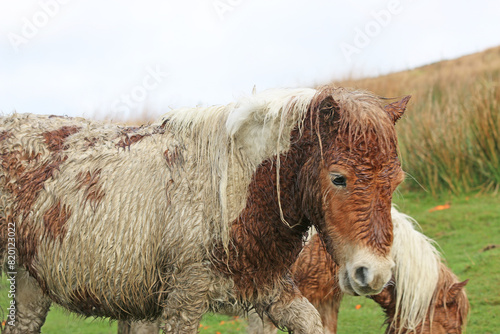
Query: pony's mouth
pixel 366 276
pixel 355 289
pixel 346 285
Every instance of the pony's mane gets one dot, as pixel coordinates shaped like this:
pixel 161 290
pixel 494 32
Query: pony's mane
pixel 231 141
pixel 417 272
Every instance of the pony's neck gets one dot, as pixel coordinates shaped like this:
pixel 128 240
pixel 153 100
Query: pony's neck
pixel 263 247
pixel 387 300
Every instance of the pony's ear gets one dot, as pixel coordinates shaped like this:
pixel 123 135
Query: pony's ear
pixel 454 290
pixel 329 109
pixel 396 109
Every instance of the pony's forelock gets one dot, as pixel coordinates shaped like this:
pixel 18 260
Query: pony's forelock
pixel 361 118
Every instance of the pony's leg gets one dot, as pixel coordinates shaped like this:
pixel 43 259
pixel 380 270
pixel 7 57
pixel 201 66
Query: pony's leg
pixel 31 306
pixel 329 314
pixel 297 315
pixel 256 325
pixel 188 301
pixel 138 327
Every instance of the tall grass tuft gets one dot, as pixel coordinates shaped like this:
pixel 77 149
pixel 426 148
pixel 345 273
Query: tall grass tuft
pixel 485 132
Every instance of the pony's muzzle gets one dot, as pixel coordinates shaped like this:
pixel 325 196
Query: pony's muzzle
pixel 366 281
pixel 365 274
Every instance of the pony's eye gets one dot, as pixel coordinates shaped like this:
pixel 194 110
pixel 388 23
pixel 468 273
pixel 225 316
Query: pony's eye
pixel 338 180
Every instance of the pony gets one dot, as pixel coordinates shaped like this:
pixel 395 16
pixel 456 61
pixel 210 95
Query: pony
pixel 422 297
pixel 205 208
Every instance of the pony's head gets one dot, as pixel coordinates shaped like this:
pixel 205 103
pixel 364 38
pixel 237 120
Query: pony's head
pixel 450 311
pixel 348 180
pixel 447 313
pixel 334 152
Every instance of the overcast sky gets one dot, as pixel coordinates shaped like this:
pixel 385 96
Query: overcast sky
pixel 88 57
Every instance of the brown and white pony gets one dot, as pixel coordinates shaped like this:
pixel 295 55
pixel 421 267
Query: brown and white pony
pixel 423 296
pixel 204 208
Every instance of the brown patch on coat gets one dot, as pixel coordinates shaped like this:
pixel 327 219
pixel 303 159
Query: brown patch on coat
pixel 55 219
pixel 127 140
pixel 24 176
pixel 89 181
pixel 13 167
pixel 14 163
pixel 172 156
pixel 262 248
pixel 55 139
pixel 90 142
pixel 5 135
pixel 31 182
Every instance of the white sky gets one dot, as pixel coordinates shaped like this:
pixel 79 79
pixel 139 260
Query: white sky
pixel 88 57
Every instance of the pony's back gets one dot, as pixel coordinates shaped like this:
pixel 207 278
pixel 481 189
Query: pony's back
pixel 77 191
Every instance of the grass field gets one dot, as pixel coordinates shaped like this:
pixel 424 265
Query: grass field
pixel 463 232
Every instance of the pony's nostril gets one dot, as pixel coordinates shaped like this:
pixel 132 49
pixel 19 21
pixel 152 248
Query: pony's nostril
pixel 361 276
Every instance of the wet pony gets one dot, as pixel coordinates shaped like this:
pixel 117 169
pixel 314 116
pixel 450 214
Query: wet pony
pixel 205 208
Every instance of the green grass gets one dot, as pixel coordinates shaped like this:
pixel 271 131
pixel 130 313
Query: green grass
pixel 463 232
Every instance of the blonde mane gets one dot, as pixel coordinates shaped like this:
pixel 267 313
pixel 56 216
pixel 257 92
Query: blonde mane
pixel 417 272
pixel 231 141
